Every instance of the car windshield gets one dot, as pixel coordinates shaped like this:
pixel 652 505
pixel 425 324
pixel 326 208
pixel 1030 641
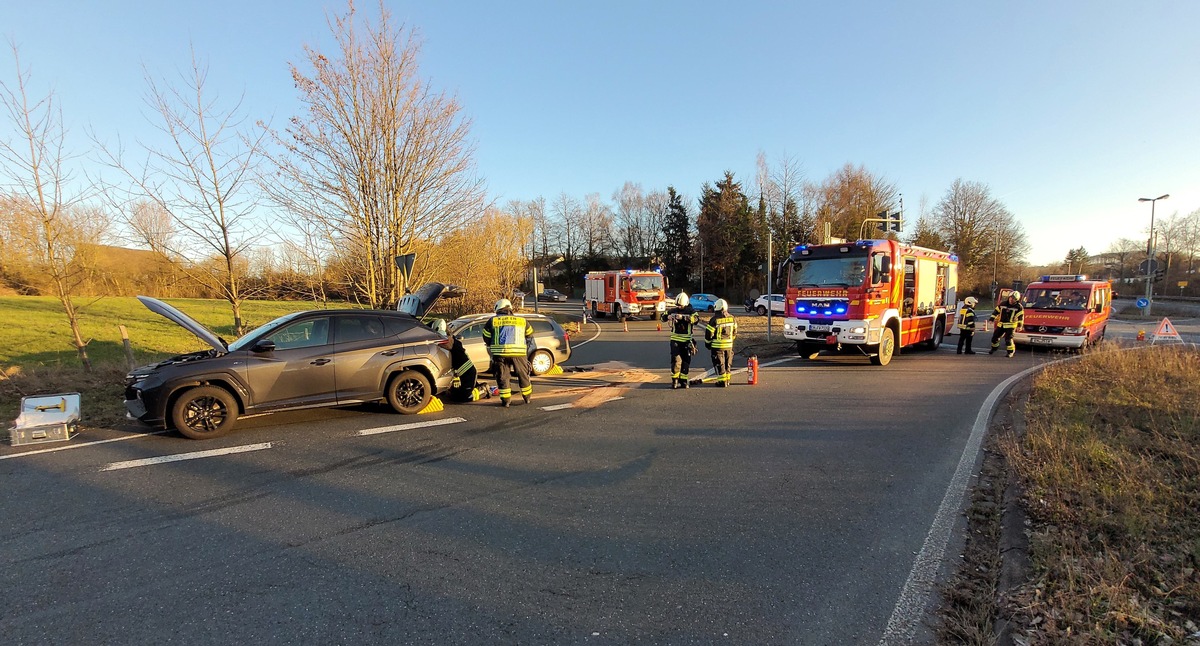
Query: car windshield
pixel 646 283
pixel 1056 299
pixel 261 331
pixel 844 271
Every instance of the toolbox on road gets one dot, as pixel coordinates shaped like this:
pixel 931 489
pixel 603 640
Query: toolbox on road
pixel 45 418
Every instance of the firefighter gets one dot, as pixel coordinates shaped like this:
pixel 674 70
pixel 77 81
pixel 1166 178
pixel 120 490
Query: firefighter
pixel 1008 316
pixel 465 387
pixel 966 325
pixel 718 337
pixel 682 318
pixel 507 335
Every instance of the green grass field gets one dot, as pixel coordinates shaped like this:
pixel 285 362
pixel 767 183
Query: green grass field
pixel 36 333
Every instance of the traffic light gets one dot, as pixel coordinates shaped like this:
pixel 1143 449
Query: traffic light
pixel 1158 275
pixel 890 221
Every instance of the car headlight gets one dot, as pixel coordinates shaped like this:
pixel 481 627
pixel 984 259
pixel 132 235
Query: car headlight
pixel 1072 330
pixel 858 330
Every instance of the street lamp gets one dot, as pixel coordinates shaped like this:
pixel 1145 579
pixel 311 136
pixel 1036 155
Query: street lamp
pixel 1150 249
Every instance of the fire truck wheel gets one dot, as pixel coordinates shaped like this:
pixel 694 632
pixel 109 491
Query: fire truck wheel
pixel 595 312
pixel 887 346
pixel 938 332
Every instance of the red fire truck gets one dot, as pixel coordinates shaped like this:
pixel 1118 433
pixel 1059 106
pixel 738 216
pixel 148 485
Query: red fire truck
pixel 1064 311
pixel 625 293
pixel 876 296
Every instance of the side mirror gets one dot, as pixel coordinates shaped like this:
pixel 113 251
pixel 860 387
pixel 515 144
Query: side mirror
pixel 265 345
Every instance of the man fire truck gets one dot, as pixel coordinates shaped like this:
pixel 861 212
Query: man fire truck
pixel 625 293
pixel 876 296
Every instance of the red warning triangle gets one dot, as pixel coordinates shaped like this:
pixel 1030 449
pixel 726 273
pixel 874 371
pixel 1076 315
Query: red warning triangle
pixel 1166 330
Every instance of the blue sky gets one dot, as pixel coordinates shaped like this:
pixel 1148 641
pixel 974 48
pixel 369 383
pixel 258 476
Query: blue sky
pixel 1068 111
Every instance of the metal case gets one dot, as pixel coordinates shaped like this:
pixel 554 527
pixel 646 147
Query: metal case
pixel 46 418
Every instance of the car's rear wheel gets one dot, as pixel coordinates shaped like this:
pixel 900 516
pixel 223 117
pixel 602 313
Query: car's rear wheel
pixel 204 412
pixel 541 362
pixel 409 392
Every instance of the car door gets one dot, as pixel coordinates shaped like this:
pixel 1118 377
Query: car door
pixel 363 350
pixel 476 347
pixel 298 371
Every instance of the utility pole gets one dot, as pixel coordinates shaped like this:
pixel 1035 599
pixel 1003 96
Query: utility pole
pixel 1150 251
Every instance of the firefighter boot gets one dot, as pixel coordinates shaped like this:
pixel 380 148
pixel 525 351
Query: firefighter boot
pixel 504 402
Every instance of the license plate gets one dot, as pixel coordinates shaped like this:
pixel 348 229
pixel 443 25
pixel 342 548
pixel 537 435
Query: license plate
pixel 1043 340
pixel 820 328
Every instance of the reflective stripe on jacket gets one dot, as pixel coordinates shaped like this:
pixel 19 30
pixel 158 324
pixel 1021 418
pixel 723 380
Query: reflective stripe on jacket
pixel 1008 316
pixel 966 319
pixel 506 335
pixel 682 320
pixel 720 331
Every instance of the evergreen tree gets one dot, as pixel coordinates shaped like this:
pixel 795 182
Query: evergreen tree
pixel 724 227
pixel 1076 260
pixel 676 251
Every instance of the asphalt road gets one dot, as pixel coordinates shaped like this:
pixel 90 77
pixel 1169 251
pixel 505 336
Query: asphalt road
pixel 611 510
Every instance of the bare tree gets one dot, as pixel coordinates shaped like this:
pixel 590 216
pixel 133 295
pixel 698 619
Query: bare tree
pixel 566 212
pixel 1122 258
pixel 200 184
pixel 45 200
pixel 980 229
pixel 851 195
pixel 595 227
pixel 379 161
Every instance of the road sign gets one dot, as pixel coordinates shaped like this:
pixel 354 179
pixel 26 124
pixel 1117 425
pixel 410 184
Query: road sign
pixel 1143 302
pixel 1148 266
pixel 1181 284
pixel 1166 331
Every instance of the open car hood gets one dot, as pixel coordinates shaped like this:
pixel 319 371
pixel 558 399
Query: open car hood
pixel 184 321
pixel 419 302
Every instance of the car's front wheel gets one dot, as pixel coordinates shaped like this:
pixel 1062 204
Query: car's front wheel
pixel 204 412
pixel 541 362
pixel 409 392
pixel 762 311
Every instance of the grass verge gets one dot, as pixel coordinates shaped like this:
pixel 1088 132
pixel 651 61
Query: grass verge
pixel 1108 475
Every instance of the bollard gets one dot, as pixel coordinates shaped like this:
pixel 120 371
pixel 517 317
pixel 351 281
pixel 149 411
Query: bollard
pixel 625 324
pixel 752 370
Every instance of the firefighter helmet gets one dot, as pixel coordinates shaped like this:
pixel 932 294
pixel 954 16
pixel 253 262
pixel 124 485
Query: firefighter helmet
pixel 720 305
pixel 971 301
pixel 1015 294
pixel 682 300
pixel 503 304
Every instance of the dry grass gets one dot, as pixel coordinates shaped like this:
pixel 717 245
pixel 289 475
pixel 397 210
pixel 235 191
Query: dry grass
pixel 1110 467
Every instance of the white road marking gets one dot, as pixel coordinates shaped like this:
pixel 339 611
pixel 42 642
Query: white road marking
pixel 557 407
pixel 130 464
pixel 408 427
pixel 902 625
pixel 80 446
pixel 587 341
pixel 566 406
